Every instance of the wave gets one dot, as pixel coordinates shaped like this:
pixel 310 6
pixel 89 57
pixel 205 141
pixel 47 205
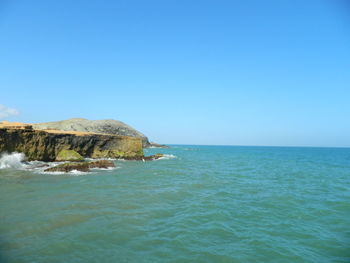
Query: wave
pixel 18 161
pixel 167 157
pixel 12 160
pixel 96 159
pixel 72 173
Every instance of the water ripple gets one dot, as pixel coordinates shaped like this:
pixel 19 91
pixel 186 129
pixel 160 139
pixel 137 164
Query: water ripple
pixel 209 204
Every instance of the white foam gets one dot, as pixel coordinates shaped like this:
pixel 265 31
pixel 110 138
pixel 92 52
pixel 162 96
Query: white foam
pixel 53 173
pixel 76 172
pixel 39 166
pixel 105 169
pixel 96 159
pixel 12 160
pixel 72 173
pixel 167 157
pixel 16 160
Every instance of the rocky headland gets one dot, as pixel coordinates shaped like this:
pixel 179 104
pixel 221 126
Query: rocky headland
pixel 44 143
pixel 47 145
pixel 52 145
pixel 112 127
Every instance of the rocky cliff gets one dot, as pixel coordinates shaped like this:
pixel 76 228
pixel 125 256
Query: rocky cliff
pixel 46 145
pixel 96 126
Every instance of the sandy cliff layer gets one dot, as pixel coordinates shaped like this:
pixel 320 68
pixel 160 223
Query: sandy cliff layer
pixel 45 145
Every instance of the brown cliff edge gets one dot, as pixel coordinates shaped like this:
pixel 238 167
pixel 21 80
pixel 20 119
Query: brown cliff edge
pixel 45 145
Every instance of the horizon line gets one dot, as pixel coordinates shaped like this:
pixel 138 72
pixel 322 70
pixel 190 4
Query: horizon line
pixel 240 145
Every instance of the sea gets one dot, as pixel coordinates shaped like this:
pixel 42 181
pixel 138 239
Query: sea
pixel 196 204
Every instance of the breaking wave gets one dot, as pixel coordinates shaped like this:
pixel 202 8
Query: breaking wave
pixel 11 160
pixel 17 160
pixel 167 156
pixel 72 173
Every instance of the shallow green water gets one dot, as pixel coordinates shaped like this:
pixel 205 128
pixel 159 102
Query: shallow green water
pixel 209 204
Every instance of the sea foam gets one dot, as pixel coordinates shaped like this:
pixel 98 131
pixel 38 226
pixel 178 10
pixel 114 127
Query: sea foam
pixel 167 157
pixel 12 160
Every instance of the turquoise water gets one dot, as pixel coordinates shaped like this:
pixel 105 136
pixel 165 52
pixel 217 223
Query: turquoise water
pixel 208 204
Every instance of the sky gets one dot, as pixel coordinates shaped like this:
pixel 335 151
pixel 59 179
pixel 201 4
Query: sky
pixel 215 72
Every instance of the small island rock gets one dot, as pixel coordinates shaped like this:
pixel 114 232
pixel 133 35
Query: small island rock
pixel 104 164
pixel 68 167
pixel 145 158
pixel 81 166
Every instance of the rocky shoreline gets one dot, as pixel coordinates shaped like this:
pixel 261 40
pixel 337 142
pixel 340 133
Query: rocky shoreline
pixel 71 146
pixel 46 145
pixel 85 166
pixel 81 166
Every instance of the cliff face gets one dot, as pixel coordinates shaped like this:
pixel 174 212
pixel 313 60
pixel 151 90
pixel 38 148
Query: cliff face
pixel 46 145
pixel 113 127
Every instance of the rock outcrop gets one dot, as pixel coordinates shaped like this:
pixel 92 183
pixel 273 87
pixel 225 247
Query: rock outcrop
pixel 46 145
pixel 81 166
pixel 68 167
pixel 113 127
pixel 157 145
pixel 101 164
pixel 146 158
pixel 69 155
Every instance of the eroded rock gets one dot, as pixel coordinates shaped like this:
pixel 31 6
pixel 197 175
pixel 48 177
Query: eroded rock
pixel 101 164
pixel 145 158
pixel 68 167
pixel 69 155
pixel 157 145
pixel 81 166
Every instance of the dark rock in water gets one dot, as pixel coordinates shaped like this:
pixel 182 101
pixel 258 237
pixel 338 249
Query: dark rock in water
pixel 41 165
pixel 153 157
pixel 146 158
pixel 101 164
pixel 81 166
pixel 156 145
pixel 69 155
pixel 113 127
pixel 68 167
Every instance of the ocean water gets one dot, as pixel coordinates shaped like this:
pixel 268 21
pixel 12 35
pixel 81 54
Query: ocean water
pixel 199 204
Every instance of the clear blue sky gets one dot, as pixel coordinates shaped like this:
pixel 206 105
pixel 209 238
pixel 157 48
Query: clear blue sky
pixel 187 72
